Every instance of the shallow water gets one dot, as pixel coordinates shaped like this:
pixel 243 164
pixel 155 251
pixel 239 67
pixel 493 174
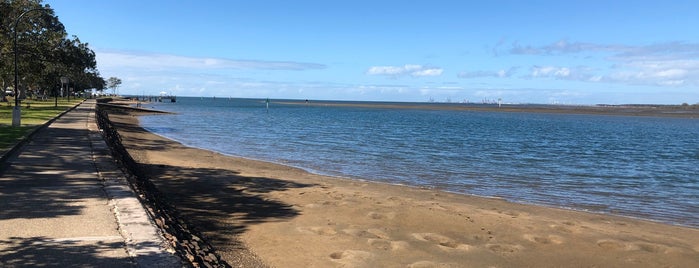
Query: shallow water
pixel 643 167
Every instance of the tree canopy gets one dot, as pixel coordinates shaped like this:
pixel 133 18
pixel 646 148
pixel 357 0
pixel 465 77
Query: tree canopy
pixel 45 52
pixel 113 83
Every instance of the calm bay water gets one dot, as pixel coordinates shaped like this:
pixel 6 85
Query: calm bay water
pixel 635 166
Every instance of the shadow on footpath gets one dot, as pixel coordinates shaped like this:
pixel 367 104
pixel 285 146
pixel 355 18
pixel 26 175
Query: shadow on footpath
pixel 48 177
pixel 43 252
pixel 37 203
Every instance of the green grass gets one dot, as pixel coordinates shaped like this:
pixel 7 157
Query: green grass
pixel 37 113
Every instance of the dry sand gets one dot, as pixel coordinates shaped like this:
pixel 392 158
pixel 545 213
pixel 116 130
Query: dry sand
pixel 259 213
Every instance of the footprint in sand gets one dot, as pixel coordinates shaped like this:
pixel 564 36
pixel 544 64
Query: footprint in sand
pixel 379 243
pixel 381 216
pixel 567 227
pixel 614 245
pixel 337 196
pixel 653 248
pixel 550 239
pixel 387 244
pixel 391 201
pixel 371 233
pixel 321 205
pixel 318 230
pixel 312 205
pixel 503 248
pixel 432 205
pixel 564 229
pixel 429 264
pixel 569 223
pixel 642 246
pixel 441 241
pixel 352 258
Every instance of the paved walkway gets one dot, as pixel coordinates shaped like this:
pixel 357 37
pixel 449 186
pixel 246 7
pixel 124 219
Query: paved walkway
pixel 63 203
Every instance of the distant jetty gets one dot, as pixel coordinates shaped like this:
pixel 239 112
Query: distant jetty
pixel 167 97
pixel 160 98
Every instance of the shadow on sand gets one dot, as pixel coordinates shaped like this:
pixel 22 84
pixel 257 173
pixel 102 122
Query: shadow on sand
pixel 216 203
pixel 221 204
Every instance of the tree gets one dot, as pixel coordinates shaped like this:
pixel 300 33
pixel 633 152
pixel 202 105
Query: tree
pixel 78 63
pixel 37 34
pixel 113 83
pixel 94 80
pixel 44 52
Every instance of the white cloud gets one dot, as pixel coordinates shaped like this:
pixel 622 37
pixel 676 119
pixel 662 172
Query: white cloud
pixel 655 71
pixel 494 93
pixel 428 72
pixel 672 83
pixel 673 64
pixel 502 73
pixel 408 69
pixel 550 71
pixel 385 70
pixel 672 73
pixel 595 78
pixel 564 47
pixel 123 59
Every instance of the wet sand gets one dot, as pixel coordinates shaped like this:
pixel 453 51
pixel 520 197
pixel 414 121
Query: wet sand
pixel 264 214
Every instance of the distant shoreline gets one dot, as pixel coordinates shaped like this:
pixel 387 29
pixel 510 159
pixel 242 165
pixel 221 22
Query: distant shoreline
pixel 650 110
pixel 680 111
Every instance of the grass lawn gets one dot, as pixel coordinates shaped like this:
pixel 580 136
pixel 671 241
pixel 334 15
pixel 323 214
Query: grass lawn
pixel 38 113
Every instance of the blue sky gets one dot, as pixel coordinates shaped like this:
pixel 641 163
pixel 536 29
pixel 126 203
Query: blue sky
pixel 568 52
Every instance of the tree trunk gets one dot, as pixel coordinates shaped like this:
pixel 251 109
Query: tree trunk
pixel 2 94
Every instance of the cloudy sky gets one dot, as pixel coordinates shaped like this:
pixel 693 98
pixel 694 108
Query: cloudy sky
pixel 569 52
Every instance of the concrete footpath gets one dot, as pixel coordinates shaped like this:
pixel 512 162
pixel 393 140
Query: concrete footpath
pixel 63 203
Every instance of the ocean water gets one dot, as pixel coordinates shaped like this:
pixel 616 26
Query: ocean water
pixel 642 167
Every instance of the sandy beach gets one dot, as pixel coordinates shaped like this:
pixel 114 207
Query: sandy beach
pixel 264 214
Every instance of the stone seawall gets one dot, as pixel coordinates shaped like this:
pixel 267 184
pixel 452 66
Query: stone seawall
pixel 187 242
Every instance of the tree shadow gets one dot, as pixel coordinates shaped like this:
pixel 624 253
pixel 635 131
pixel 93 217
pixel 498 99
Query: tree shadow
pixel 49 176
pixel 220 203
pixel 45 252
pixel 35 203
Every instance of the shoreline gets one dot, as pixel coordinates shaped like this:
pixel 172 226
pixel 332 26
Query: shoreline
pixel 646 110
pixel 437 189
pixel 300 219
pixel 359 179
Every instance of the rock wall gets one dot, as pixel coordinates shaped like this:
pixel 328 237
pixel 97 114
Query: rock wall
pixel 183 238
